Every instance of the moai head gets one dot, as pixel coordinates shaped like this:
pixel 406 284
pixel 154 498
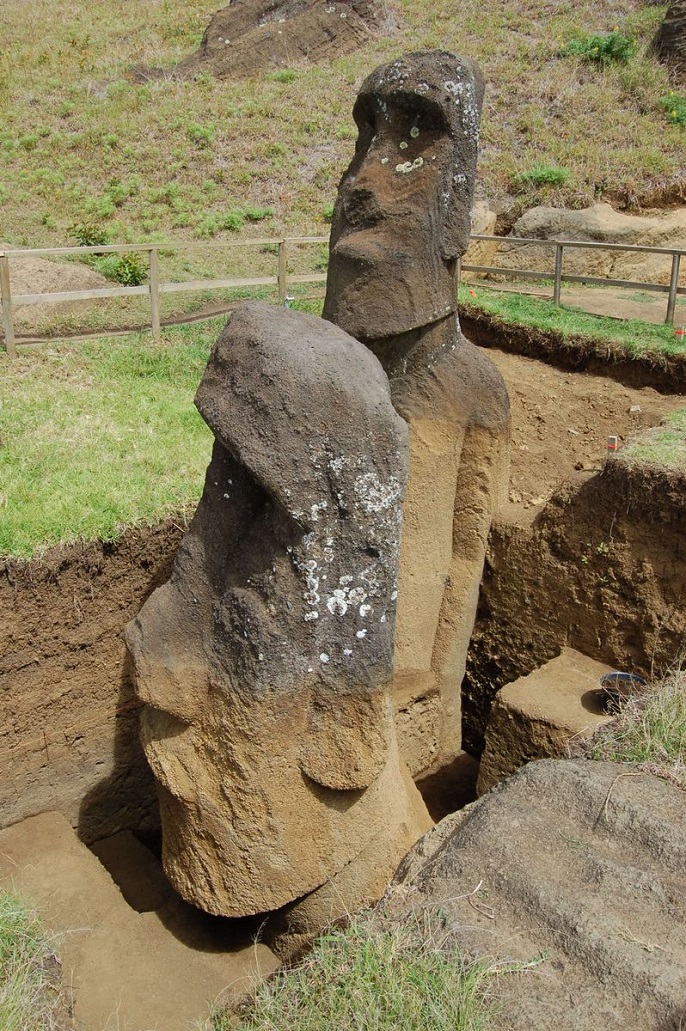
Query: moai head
pixel 263 661
pixel 402 215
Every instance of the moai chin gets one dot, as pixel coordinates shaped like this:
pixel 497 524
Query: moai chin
pixel 401 221
pixel 264 660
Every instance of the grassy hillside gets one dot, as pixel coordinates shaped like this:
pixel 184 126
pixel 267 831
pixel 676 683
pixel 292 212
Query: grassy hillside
pixel 80 142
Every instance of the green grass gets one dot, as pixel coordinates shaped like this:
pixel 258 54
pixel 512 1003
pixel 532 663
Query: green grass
pixel 28 995
pixel 663 446
pixel 371 977
pixel 649 732
pixel 99 435
pixel 635 336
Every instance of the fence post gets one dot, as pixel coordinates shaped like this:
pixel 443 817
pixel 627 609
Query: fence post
pixel 6 298
pixel 154 293
pixel 558 273
pixel 282 273
pixel 673 286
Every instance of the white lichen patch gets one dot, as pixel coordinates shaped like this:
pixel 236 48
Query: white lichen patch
pixel 366 610
pixel 324 658
pixel 409 166
pixel 403 145
pixel 361 634
pixel 309 616
pixel 414 132
pixel 347 652
pixel 374 496
pixel 337 604
pixel 384 161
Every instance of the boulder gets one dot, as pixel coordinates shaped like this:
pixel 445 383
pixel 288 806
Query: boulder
pixel 598 224
pixel 572 873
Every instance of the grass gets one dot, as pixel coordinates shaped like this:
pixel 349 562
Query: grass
pixel 81 142
pixel 649 732
pixel 663 446
pixel 28 997
pixel 99 435
pixel 371 976
pixel 635 336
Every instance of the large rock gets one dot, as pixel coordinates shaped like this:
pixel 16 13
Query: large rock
pixel 575 871
pixel 264 660
pixel 250 36
pixel 538 715
pixel 598 224
pixel 401 220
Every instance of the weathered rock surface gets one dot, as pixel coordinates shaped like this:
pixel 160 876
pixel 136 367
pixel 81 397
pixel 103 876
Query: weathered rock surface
pixel 538 715
pixel 264 660
pixel 576 871
pixel 402 218
pixel 598 224
pixel 670 42
pixel 250 36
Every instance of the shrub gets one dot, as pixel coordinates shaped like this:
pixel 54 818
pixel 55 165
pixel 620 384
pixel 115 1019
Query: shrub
pixel 541 175
pixel 327 212
pixel 675 106
pixel 608 48
pixel 255 213
pixel 127 269
pixel 89 234
pixel 201 135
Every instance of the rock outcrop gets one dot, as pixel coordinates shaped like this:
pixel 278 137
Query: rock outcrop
pixel 573 872
pixel 264 660
pixel 402 218
pixel 250 36
pixel 670 42
pixel 597 224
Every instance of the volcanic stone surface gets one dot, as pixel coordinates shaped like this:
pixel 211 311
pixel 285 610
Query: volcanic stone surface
pixel 264 659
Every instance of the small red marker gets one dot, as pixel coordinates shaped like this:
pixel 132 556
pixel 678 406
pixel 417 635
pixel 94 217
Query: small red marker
pixel 679 334
pixel 612 443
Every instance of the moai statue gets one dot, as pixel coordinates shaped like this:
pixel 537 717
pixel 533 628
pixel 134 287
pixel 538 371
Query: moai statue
pixel 264 660
pixel 401 221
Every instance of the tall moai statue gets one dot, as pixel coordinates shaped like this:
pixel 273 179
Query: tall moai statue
pixel 264 661
pixel 401 221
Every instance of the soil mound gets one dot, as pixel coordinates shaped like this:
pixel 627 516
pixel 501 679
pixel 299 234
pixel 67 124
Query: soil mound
pixel 575 871
pixel 250 36
pixel 33 275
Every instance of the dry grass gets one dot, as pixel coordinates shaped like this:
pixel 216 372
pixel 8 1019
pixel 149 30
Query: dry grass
pixel 30 1000
pixel 649 732
pixel 79 140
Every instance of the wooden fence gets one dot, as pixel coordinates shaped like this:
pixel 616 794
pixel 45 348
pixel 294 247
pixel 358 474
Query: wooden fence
pixel 154 288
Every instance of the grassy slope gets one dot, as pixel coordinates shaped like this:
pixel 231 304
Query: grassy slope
pixel 73 125
pixel 99 435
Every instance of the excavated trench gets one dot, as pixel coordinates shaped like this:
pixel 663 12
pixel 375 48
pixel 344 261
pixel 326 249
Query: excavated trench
pixel 587 554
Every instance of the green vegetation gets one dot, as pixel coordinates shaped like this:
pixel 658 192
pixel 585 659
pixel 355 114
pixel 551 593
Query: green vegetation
pixel 650 730
pixel 99 435
pixel 664 445
pixel 28 995
pixel 609 48
pixel 127 269
pixel 540 175
pixel 635 336
pixel 675 106
pixel 395 977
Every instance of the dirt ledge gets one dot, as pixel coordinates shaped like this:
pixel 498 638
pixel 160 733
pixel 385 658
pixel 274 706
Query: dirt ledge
pixel 666 373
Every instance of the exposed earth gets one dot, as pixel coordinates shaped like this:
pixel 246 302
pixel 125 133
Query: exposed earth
pixel 64 613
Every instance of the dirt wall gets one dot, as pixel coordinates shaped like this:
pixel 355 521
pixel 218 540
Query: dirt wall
pixel 602 569
pixel 69 732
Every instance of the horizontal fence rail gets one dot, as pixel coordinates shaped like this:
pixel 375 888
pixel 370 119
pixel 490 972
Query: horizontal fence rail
pixel 282 278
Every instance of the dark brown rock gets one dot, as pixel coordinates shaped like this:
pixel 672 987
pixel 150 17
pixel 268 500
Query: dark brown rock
pixel 670 42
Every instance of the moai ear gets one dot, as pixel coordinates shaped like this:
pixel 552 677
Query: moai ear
pixel 347 740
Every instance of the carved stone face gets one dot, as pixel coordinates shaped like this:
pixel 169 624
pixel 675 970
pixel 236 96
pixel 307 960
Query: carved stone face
pixel 403 211
pixel 263 661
